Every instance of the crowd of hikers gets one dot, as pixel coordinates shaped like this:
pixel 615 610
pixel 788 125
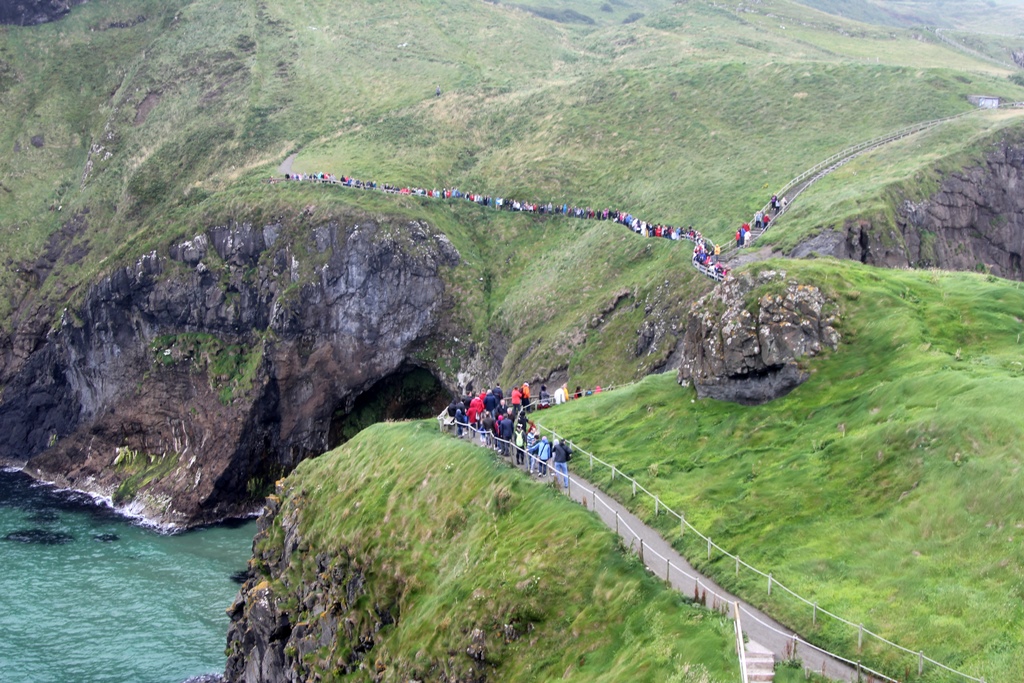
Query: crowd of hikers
pixel 502 422
pixel 705 252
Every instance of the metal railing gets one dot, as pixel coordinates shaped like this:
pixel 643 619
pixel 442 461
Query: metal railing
pixel 839 159
pixel 772 583
pixel 671 569
pixel 740 649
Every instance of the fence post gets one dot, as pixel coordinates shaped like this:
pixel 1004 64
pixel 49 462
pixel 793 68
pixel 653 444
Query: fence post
pixel 682 524
pixel 591 463
pixel 616 522
pixel 613 472
pixel 769 584
pixel 642 551
pixel 920 663
pixel 737 565
pixel 634 488
pixel 709 547
pixel 860 639
pixel 657 504
pixel 668 570
pixel 814 617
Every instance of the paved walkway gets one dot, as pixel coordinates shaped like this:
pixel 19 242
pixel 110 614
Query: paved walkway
pixel 662 559
pixel 286 165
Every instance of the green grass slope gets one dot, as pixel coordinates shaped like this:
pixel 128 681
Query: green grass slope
pixel 886 488
pixel 462 542
pixel 690 114
pixel 873 185
pixel 999 16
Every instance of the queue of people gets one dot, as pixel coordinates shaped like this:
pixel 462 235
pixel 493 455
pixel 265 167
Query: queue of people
pixel 705 253
pixel 504 424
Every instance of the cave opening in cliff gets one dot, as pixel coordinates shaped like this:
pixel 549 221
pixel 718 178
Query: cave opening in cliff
pixel 409 393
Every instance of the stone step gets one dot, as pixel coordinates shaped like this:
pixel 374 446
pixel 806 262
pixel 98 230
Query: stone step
pixel 760 663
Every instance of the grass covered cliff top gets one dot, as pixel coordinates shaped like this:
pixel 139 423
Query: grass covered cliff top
pixel 886 488
pixel 460 542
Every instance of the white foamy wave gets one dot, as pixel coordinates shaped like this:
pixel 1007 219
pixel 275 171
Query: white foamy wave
pixel 134 511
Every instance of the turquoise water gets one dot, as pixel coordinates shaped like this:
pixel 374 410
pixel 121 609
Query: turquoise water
pixel 93 598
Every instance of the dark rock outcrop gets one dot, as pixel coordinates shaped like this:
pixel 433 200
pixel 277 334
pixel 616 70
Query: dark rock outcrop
pixel 304 613
pixel 743 340
pixel 188 383
pixel 30 12
pixel 974 222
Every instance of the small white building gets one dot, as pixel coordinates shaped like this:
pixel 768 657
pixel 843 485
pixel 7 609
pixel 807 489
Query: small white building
pixel 984 101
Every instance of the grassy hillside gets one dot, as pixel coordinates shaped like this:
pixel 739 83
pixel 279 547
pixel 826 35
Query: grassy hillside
pixel 912 168
pixel 1000 16
pixel 460 542
pixel 147 113
pixel 885 488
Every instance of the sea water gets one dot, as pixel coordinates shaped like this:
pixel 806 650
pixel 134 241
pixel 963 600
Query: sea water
pixel 87 596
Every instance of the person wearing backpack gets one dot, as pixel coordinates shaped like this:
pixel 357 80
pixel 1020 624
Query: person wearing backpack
pixel 487 433
pixel 542 449
pixel 563 454
pixel 520 442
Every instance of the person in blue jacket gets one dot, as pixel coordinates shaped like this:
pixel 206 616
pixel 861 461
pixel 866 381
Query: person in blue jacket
pixel 542 449
pixel 461 421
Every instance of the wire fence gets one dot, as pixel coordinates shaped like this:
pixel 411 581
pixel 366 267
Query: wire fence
pixel 815 173
pixel 939 32
pixel 818 614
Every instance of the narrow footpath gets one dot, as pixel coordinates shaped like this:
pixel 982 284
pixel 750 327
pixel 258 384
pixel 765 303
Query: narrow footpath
pixel 663 561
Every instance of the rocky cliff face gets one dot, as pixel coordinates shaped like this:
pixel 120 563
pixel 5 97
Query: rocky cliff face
pixel 288 632
pixel 309 615
pixel 974 222
pixel 743 341
pixel 191 380
pixel 29 12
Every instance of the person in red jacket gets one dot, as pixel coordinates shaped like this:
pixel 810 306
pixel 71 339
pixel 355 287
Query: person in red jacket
pixel 476 408
pixel 517 400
